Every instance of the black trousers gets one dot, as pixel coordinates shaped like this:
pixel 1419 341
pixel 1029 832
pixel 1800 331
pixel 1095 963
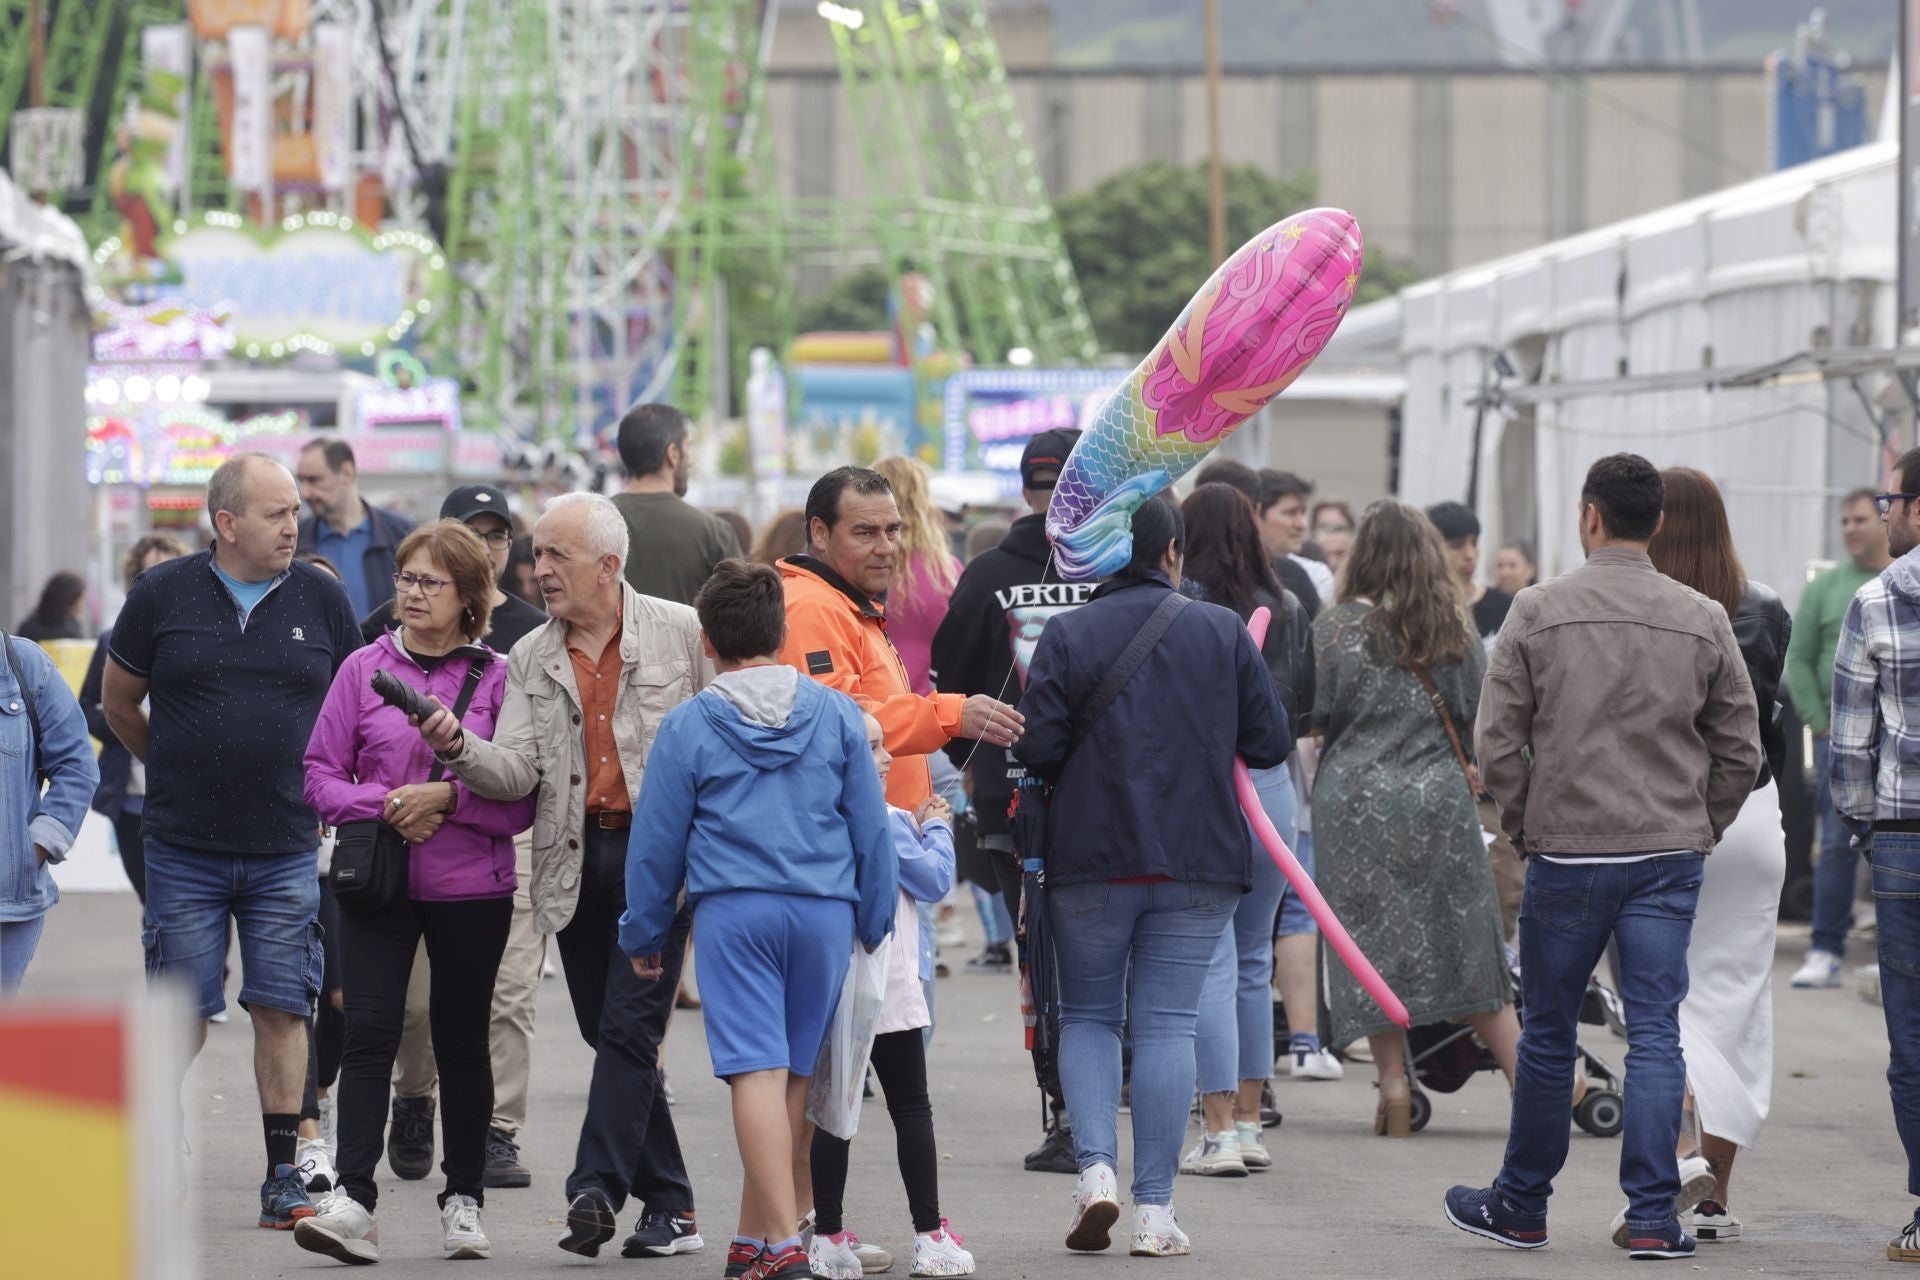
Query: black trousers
pixel 900 1061
pixel 133 851
pixel 464 944
pixel 327 1035
pixel 627 1141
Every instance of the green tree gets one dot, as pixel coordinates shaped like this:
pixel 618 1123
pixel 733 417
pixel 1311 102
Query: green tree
pixel 1139 242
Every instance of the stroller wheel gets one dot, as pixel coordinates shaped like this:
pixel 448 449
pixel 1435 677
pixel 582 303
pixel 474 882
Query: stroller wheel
pixel 1421 1110
pixel 1601 1114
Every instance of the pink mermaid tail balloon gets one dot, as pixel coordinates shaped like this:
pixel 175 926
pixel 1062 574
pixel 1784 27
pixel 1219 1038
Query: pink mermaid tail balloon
pixel 1250 331
pixel 1331 929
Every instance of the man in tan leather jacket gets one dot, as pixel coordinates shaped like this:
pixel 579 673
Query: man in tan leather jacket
pixel 1619 735
pixel 585 696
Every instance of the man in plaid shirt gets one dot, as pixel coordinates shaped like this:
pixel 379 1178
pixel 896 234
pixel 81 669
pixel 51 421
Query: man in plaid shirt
pixel 1874 767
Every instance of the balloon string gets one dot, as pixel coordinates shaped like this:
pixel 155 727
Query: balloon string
pixel 1012 664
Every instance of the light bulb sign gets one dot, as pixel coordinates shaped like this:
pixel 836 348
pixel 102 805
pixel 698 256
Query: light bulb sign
pixel 317 283
pixel 991 413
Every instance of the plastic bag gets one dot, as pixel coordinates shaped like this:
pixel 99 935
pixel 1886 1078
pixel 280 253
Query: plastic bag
pixel 833 1096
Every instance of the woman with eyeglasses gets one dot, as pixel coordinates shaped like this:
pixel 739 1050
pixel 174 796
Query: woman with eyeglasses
pixel 365 761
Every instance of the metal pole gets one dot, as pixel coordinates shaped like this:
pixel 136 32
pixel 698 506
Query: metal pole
pixel 37 53
pixel 1903 311
pixel 1216 175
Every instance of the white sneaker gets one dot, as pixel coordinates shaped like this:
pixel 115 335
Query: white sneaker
pixel 1156 1234
pixel 938 1253
pixel 315 1163
pixel 1216 1155
pixel 1696 1184
pixel 342 1229
pixel 1253 1147
pixel 330 1126
pixel 1314 1064
pixel 1822 969
pixel 466 1238
pixel 874 1261
pixel 832 1258
pixel 1712 1223
pixel 1096 1207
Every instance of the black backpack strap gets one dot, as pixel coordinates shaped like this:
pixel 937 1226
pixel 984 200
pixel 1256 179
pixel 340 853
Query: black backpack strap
pixel 467 689
pixel 33 711
pixel 1129 662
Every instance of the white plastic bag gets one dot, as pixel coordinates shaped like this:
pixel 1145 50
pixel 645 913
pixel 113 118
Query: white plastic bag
pixel 839 1077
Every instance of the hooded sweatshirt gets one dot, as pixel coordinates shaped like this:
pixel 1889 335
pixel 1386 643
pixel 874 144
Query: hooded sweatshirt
pixel 761 782
pixel 1002 603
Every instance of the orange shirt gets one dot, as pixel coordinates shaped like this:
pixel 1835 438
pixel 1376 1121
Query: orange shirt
pixel 599 683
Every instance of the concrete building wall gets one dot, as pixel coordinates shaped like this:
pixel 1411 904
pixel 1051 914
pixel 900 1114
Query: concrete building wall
pixel 1442 168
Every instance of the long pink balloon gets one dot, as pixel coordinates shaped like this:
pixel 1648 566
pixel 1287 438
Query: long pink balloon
pixel 1330 927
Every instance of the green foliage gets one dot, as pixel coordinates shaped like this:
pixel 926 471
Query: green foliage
pixel 1139 240
pixel 856 302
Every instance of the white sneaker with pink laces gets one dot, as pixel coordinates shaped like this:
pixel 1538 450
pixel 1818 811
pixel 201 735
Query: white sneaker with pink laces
pixel 939 1253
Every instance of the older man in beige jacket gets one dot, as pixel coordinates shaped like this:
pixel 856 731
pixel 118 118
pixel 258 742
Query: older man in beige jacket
pixel 585 696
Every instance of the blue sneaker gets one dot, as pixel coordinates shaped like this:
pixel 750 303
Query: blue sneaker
pixel 1670 1241
pixel 284 1200
pixel 1483 1213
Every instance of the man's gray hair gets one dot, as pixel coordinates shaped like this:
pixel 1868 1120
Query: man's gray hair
pixel 606 527
pixel 227 491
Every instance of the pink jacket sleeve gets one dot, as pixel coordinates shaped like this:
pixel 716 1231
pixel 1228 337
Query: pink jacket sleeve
pixel 334 747
pixel 472 810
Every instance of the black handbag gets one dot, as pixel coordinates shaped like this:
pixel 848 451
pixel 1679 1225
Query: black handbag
pixel 371 859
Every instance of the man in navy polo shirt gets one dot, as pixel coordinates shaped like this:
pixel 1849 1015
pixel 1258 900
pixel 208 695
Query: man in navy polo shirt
pixel 234 650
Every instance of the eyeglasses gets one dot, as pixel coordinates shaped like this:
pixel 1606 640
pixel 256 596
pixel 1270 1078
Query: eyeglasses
pixel 494 537
pixel 405 582
pixel 1885 501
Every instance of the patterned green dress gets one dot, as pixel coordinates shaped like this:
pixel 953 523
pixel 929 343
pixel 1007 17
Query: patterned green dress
pixel 1395 834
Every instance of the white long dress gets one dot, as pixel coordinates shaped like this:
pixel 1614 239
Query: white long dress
pixel 1726 1021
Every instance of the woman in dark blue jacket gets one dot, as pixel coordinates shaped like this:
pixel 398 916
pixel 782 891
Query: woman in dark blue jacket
pixel 1137 882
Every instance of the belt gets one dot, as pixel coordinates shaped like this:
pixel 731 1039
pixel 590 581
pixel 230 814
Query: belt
pixel 610 820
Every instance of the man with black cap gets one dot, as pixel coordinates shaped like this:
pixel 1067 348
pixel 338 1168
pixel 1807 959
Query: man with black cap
pixel 483 509
pixel 1460 530
pixel 1002 603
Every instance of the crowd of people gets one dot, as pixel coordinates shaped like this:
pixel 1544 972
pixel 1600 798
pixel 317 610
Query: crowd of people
pixel 393 762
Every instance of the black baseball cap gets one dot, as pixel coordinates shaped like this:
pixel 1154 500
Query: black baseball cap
pixel 1047 452
pixel 470 500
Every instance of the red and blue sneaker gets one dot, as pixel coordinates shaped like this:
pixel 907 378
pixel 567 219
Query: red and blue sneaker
pixel 1670 1241
pixel 284 1199
pixel 740 1258
pixel 1484 1212
pixel 789 1263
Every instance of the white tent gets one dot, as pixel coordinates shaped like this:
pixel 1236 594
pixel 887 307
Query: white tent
pixel 1655 336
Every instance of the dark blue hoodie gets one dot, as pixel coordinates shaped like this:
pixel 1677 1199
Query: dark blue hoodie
pixel 762 781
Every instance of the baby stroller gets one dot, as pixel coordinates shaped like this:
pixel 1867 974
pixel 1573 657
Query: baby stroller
pixel 1443 1056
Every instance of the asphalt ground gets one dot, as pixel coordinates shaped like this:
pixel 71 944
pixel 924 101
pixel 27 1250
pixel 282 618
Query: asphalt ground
pixel 1820 1197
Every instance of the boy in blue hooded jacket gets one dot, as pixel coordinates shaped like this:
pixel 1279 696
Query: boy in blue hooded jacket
pixel 760 797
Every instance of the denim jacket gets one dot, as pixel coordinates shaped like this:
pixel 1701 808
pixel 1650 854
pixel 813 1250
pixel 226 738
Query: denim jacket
pixel 51 820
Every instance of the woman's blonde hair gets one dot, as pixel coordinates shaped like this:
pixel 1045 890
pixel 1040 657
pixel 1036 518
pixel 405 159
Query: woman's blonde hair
pixel 1399 563
pixel 923 538
pixel 458 550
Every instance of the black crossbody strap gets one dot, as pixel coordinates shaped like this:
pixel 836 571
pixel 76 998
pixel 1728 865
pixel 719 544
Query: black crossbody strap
pixel 33 711
pixel 1123 669
pixel 474 674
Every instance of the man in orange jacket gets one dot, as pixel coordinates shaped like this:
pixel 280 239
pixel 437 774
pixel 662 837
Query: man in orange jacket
pixel 836 631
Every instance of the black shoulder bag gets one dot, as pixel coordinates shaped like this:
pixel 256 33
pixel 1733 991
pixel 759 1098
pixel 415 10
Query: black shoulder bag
pixel 33 711
pixel 370 858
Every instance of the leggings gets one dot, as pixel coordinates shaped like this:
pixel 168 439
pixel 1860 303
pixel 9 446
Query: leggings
pixel 464 944
pixel 900 1060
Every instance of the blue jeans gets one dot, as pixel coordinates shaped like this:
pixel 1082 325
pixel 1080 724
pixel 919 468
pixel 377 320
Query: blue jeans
pixel 1567 916
pixel 1234 1035
pixel 1167 932
pixel 1835 875
pixel 274 902
pixel 1896 895
pixel 18 940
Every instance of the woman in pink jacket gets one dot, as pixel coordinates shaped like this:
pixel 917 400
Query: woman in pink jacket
pixel 365 761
